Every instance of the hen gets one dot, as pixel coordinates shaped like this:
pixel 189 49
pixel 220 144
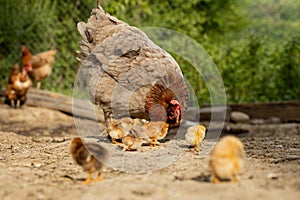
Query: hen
pixel 38 66
pixel 227 159
pixel 129 75
pixel 87 156
pixel 17 87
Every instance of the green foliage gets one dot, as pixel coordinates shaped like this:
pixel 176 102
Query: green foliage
pixel 288 77
pixel 42 25
pixel 255 44
pixel 18 25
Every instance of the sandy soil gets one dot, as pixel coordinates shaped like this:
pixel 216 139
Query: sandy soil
pixel 35 164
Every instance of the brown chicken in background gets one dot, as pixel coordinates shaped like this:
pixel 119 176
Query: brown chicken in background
pixel 227 159
pixel 195 135
pixel 38 66
pixel 89 157
pixel 129 75
pixel 17 87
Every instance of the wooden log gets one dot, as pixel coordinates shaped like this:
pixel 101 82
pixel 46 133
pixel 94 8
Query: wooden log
pixel 208 113
pixel 82 108
pixel 286 111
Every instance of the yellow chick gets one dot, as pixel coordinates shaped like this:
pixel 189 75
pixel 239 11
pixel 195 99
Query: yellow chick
pixel 84 155
pixel 227 159
pixel 155 131
pixel 195 135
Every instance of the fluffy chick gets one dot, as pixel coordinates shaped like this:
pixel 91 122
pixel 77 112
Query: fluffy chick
pixel 155 131
pixel 227 159
pixel 88 156
pixel 132 141
pixel 117 128
pixel 115 131
pixel 195 135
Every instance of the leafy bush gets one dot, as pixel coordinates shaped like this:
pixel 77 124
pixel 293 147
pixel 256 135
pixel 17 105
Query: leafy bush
pixel 254 44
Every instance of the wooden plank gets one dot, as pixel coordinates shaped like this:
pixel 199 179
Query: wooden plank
pixel 286 111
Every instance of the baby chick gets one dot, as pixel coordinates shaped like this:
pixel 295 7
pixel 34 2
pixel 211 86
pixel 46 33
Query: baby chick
pixel 155 131
pixel 118 127
pixel 115 131
pixel 195 135
pixel 84 155
pixel 132 141
pixel 227 159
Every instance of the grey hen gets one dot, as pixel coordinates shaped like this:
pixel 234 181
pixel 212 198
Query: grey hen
pixel 129 75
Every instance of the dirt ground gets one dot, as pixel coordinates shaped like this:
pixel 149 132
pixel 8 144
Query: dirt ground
pixel 35 164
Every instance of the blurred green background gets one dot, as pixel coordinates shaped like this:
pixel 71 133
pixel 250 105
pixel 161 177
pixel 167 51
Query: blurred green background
pixel 255 44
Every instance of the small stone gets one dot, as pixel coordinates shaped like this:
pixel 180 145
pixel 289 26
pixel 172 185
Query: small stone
pixel 273 120
pixel 58 140
pixel 272 176
pixel 239 117
pixel 37 165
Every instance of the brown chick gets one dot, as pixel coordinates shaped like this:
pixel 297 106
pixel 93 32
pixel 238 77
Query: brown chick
pixel 87 156
pixel 118 127
pixel 155 131
pixel 195 135
pixel 115 132
pixel 132 141
pixel 39 66
pixel 17 87
pixel 227 159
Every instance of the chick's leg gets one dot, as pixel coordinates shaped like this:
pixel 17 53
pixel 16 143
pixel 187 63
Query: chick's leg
pixel 115 142
pixel 88 179
pixel 99 178
pixel 125 148
pixel 196 148
pixel 215 179
pixel 234 178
